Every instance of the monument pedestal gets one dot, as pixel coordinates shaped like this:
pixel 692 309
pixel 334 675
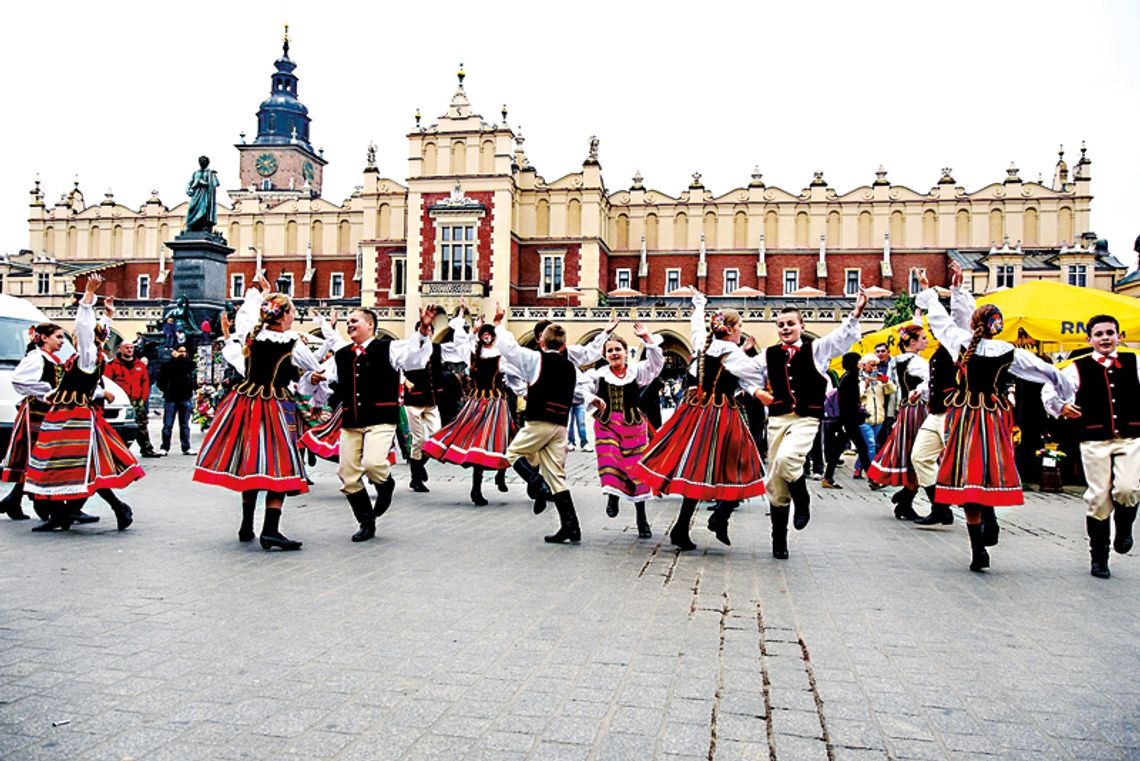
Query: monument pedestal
pixel 199 271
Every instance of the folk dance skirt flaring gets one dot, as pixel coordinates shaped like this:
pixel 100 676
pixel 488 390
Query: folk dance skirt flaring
pixel 479 435
pixel 29 418
pixel 77 453
pixel 252 445
pixel 323 439
pixel 892 465
pixel 619 445
pixel 703 452
pixel 977 465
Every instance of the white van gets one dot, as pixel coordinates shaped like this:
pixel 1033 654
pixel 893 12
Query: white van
pixel 16 316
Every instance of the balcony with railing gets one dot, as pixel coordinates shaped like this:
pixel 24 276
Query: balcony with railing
pixel 456 288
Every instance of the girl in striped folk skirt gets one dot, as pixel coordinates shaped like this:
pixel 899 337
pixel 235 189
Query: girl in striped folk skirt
pixel 480 434
pixel 77 452
pixel 892 466
pixel 977 470
pixel 621 432
pixel 705 451
pixel 252 443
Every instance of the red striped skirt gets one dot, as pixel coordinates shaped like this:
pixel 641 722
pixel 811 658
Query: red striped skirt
pixel 479 435
pixel 323 439
pixel 77 453
pixel 705 453
pixel 29 418
pixel 619 446
pixel 252 445
pixel 977 464
pixel 892 465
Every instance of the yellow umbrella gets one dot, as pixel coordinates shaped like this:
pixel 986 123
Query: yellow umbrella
pixel 1054 312
pixel 888 336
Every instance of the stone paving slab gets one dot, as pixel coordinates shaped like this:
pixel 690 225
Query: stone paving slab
pixel 459 634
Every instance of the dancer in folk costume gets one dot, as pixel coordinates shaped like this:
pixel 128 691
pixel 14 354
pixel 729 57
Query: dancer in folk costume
pixel 892 466
pixel 77 452
pixel 1106 412
pixel 977 469
pixel 930 440
pixel 34 378
pixel 252 443
pixel 704 451
pixel 479 436
pixel 365 374
pixel 796 373
pixel 621 430
pixel 322 436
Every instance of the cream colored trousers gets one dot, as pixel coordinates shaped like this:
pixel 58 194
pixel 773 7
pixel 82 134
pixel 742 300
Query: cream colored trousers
pixel 544 445
pixel 364 454
pixel 423 423
pixel 1112 472
pixel 790 438
pixel 927 449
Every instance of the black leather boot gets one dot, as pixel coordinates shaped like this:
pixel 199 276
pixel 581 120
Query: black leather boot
pixel 643 531
pixel 980 559
pixel 1099 532
pixel 568 531
pixel 904 504
pixel 779 516
pixel 124 515
pixel 60 517
pixel 1123 516
pixel 801 500
pixel 384 496
pixel 271 535
pixel 536 486
pixel 612 506
pixel 477 497
pixel 940 515
pixel 679 534
pixel 248 508
pixel 419 473
pixel 10 505
pixel 501 480
pixel 42 508
pixel 78 515
pixel 362 510
pixel 718 521
pixel 990 526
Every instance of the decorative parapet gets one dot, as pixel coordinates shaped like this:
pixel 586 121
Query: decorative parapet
pixel 476 288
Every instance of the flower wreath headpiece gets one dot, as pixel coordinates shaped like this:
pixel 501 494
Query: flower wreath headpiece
pixel 718 324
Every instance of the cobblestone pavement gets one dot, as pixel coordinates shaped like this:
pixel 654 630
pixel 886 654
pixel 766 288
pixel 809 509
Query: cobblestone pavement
pixel 459 634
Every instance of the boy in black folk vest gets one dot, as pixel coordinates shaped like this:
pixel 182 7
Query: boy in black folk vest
pixel 796 372
pixel 538 451
pixel 1107 415
pixel 366 376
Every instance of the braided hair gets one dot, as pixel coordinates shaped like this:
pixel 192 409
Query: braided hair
pixel 980 323
pixel 721 323
pixel 273 309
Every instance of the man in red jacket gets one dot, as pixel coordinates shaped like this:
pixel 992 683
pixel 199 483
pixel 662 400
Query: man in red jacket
pixel 131 375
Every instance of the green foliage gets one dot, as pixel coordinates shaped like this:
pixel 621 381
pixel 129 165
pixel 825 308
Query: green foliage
pixel 903 311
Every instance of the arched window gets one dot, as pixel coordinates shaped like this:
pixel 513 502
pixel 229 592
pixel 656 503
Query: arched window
pixel 834 230
pixel 487 157
pixel 710 229
pixel 898 228
pixel 651 232
pixel 997 226
pixel 72 241
pixel 573 217
pixel 139 246
pixel 384 222
pixel 291 237
pixel 343 237
pixel 259 236
pixel 317 237
pixel 771 230
pixel 1031 223
pixel 542 218
pixel 163 233
pixel 1065 225
pixel 93 242
pixel 740 230
pixel 235 236
pixel 866 229
pixel 802 230
pixel 621 232
pixel 962 228
pixel 930 228
pixel 430 158
pixel 459 157
pixel 681 230
pixel 117 241
pixel 49 240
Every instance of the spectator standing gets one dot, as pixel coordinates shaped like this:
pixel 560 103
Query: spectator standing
pixel 176 380
pixel 131 374
pixel 168 332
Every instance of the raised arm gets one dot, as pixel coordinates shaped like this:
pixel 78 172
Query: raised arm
pixel 523 361
pixel 591 352
pixel 652 360
pixel 414 353
pixel 944 329
pixel 85 348
pixel 697 330
pixel 247 314
pixel 962 303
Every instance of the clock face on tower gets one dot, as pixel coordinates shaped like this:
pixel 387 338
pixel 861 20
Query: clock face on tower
pixel 266 164
pixel 308 172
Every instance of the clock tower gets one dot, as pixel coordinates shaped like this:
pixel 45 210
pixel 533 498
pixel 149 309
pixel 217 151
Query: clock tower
pixel 281 161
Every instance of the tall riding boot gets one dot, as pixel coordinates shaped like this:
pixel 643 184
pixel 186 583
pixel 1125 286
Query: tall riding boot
pixel 419 473
pixel 536 486
pixel 501 479
pixel 248 508
pixel 940 515
pixel 990 526
pixel 384 496
pixel 477 486
pixel 271 535
pixel 1124 516
pixel 980 559
pixel 801 499
pixel 718 521
pixel 612 506
pixel 10 505
pixel 779 515
pixel 904 504
pixel 361 506
pixel 679 534
pixel 568 518
pixel 642 524
pixel 60 516
pixel 124 516
pixel 1099 532
pixel 41 507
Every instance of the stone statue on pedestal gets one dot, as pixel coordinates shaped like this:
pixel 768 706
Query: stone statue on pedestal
pixel 202 214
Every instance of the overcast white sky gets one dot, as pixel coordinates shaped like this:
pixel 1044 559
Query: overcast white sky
pixel 127 95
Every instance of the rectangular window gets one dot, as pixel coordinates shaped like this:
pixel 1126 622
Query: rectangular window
pixel 285 283
pixel 852 282
pixel 914 286
pixel 237 286
pixel 1079 275
pixel 672 280
pixel 457 252
pixel 731 280
pixel 1004 274
pixel 43 284
pixel 399 277
pixel 624 278
pixel 551 274
pixel 791 281
pixel 336 285
pixel 143 287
